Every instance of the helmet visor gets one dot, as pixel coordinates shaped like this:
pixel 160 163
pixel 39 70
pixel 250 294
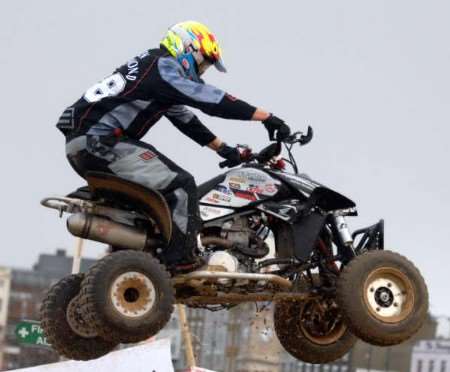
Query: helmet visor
pixel 220 65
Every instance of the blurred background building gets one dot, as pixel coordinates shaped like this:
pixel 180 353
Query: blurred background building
pixel 5 283
pixel 431 355
pixel 21 293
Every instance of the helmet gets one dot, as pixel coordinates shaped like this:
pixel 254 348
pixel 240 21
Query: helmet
pixel 194 46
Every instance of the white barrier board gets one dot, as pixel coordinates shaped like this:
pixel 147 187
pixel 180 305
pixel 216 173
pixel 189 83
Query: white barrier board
pixel 150 357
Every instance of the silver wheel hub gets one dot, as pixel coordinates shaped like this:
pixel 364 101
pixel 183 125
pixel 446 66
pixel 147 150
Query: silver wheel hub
pixel 133 294
pixel 386 296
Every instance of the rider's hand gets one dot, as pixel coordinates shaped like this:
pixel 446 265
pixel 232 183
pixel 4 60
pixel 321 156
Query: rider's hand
pixel 274 123
pixel 231 154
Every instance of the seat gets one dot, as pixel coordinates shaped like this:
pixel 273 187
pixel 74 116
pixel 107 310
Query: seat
pixel 81 193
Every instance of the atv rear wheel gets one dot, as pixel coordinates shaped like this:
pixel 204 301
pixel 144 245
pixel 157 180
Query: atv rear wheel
pixel 313 331
pixel 127 296
pixel 383 297
pixel 64 326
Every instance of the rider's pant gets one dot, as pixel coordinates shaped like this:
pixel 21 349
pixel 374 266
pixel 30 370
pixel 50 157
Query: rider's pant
pixel 141 163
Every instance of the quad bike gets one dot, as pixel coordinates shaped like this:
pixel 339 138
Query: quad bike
pixel 267 235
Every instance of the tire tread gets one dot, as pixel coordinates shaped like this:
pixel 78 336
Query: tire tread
pixel 57 331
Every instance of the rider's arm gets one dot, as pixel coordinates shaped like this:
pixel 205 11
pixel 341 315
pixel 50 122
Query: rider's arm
pixel 260 115
pixel 215 144
pixel 186 121
pixel 175 87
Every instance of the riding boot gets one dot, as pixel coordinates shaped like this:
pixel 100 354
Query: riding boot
pixel 182 252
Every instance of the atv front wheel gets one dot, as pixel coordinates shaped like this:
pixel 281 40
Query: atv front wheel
pixel 127 296
pixel 383 297
pixel 313 331
pixel 64 326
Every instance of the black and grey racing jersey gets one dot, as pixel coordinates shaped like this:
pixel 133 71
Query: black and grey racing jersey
pixel 131 100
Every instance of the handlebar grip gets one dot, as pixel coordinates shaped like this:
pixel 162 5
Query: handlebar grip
pixel 224 164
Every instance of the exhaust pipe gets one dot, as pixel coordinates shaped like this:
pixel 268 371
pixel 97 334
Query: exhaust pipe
pixel 102 230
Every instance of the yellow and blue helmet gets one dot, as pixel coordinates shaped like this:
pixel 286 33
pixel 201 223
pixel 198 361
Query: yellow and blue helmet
pixel 194 46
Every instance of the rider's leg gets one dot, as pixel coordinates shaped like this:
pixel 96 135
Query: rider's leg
pixel 142 163
pixel 183 203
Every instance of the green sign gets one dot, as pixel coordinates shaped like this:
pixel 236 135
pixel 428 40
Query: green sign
pixel 30 332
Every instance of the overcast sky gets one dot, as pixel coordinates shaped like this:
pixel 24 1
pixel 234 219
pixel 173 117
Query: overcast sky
pixel 371 77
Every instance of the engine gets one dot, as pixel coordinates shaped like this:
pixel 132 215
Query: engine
pixel 237 244
pixel 223 261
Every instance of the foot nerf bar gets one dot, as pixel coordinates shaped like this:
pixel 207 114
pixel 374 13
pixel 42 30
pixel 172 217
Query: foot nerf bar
pixel 237 298
pixel 215 275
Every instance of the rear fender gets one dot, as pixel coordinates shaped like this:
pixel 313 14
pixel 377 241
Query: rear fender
pixel 149 202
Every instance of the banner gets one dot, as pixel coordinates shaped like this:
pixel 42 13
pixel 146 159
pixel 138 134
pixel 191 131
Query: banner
pixel 149 357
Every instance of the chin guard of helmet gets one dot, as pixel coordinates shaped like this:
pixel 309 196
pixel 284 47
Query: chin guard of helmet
pixel 189 65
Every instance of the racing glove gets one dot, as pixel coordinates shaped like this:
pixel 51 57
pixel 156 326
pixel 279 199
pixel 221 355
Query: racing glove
pixel 275 124
pixel 231 154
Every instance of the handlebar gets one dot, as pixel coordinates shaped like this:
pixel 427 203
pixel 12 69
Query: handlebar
pixel 289 142
pixel 300 138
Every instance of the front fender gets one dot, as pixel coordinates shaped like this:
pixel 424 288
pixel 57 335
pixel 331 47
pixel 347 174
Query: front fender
pixel 329 200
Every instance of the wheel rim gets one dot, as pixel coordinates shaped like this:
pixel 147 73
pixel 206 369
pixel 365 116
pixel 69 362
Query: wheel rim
pixel 389 295
pixel 133 294
pixel 321 321
pixel 76 321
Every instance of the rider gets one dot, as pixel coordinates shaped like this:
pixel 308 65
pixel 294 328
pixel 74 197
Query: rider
pixel 104 127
